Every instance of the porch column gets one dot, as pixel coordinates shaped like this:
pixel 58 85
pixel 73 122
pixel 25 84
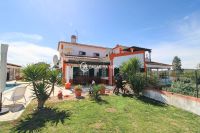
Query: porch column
pixel 110 74
pixel 157 73
pixel 64 72
pixel 67 73
pixel 150 72
pixel 168 73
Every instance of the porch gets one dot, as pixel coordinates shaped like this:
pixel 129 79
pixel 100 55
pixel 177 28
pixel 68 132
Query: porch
pixel 96 69
pixel 161 70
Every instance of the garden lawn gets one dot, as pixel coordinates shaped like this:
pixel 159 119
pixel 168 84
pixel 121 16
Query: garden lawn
pixel 113 114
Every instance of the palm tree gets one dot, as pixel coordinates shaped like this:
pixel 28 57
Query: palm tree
pixel 43 80
pixel 131 73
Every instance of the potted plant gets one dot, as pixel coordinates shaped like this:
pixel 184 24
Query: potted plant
pixel 60 95
pixel 102 89
pixel 78 90
pixel 96 90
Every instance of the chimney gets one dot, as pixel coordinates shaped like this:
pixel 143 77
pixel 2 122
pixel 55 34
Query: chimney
pixel 73 39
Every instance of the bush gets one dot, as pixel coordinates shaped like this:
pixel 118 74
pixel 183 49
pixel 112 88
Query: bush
pixel 183 88
pixel 102 86
pixel 137 82
pixel 131 67
pixel 153 80
pixel 131 73
pixel 96 92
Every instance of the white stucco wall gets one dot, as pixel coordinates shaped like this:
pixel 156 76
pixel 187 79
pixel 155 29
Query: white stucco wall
pixel 69 73
pixel 116 50
pixel 117 61
pixel 74 49
pixel 187 103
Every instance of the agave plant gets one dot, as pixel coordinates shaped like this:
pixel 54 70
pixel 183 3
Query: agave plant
pixel 43 80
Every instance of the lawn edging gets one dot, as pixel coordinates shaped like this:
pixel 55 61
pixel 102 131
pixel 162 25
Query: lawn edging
pixel 188 103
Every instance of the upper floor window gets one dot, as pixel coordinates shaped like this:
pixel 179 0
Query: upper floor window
pixel 96 54
pixel 82 53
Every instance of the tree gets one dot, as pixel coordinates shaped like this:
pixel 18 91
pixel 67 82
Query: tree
pixel 198 66
pixel 176 66
pixel 43 80
pixel 131 73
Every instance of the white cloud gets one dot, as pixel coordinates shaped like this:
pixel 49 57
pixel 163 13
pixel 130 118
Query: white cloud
pixel 187 46
pixel 24 53
pixel 19 36
pixel 165 52
pixel 24 48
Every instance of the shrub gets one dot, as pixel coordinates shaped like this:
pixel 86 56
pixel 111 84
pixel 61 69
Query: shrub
pixel 183 88
pixel 96 95
pixel 137 82
pixel 130 67
pixel 131 73
pixel 153 80
pixel 102 86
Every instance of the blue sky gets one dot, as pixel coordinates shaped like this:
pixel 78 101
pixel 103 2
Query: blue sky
pixel 169 27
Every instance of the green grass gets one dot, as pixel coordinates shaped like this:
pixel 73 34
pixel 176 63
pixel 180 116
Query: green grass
pixel 113 114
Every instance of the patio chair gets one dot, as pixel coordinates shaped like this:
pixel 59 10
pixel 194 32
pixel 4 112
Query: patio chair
pixel 18 93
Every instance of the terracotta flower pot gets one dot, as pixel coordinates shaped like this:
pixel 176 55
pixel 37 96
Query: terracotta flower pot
pixel 67 85
pixel 77 93
pixel 102 91
pixel 60 95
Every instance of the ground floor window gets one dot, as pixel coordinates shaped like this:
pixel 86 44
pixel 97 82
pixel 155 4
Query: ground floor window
pixel 78 72
pixel 91 72
pixel 100 72
pixel 105 72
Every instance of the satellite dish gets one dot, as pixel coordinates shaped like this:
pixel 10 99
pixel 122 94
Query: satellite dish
pixel 55 60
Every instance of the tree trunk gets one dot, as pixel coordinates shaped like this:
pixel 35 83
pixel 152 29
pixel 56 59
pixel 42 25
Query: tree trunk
pixel 52 90
pixel 41 104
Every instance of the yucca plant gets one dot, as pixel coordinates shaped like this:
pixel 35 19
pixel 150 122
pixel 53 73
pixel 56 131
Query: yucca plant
pixel 43 80
pixel 131 73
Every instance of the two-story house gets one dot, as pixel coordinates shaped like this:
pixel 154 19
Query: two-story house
pixel 82 63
